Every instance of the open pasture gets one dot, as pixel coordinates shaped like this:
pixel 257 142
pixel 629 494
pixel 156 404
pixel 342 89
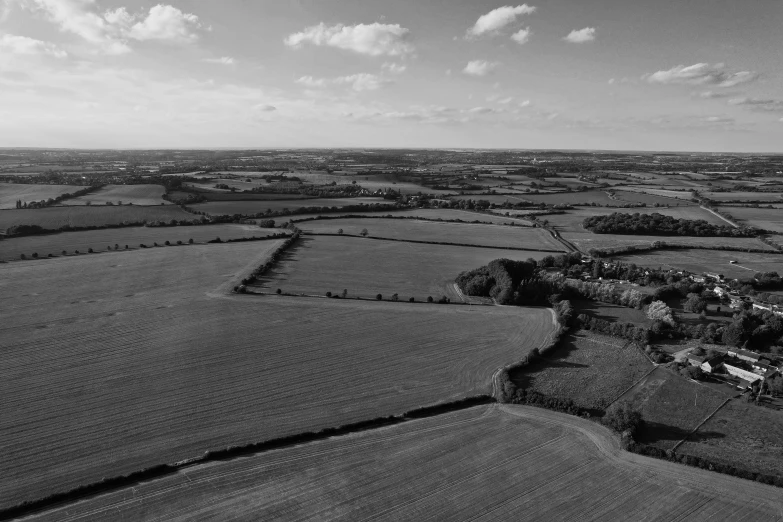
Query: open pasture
pixel 671 406
pixel 100 240
pixel 675 194
pixel 528 238
pixel 711 261
pixel 426 213
pixel 487 462
pixel 254 207
pixel 10 193
pixel 587 240
pixel 53 218
pixel 766 218
pixel 116 194
pixel 574 198
pixel 367 267
pixel 742 435
pixel 641 197
pixel 110 366
pixel 497 199
pixel 744 196
pixel 590 369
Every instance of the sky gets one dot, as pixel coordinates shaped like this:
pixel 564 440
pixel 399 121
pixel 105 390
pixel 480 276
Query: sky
pixel 701 75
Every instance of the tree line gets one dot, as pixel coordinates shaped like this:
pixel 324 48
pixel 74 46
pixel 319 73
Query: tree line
pixel 659 225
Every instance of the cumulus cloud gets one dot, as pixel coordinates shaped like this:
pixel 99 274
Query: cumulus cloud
pixel 223 60
pixel 581 35
pixel 497 19
pixel 112 29
pixel 701 74
pixel 479 67
pixel 394 68
pixel 758 104
pixel 522 36
pixel 358 82
pixel 29 46
pixel 712 94
pixel 371 39
pixel 264 107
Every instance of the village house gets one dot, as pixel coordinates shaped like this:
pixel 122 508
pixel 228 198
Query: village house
pixel 708 363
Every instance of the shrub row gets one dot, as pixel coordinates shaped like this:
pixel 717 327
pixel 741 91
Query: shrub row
pixel 269 263
pixel 30 230
pixel 661 245
pixel 389 216
pixel 251 238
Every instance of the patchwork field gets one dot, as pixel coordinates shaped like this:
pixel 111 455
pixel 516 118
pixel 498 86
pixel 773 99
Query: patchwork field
pixel 713 261
pixel 255 207
pixel 116 194
pixel 591 369
pixel 465 233
pixel 766 218
pixel 53 218
pixel 488 462
pixel 671 406
pixel 367 267
pixel 587 240
pixel 11 192
pixel 139 367
pixel 100 240
pixel 742 435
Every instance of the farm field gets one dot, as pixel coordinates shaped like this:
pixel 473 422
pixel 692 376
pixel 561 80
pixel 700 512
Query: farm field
pixel 255 207
pixel 497 199
pixel 742 435
pixel 116 194
pixel 713 261
pixel 591 369
pixel 572 220
pixel 671 406
pixel 435 213
pixel 11 192
pixel 100 240
pixel 676 194
pixel 743 196
pixel 367 267
pixel 52 218
pixel 766 218
pixel 598 197
pixel 420 230
pixel 641 197
pixel 507 462
pixel 140 367
pixel 587 240
pixel 612 312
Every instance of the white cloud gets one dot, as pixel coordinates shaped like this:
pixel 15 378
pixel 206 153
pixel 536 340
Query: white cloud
pixel 480 67
pixel 168 23
pixel 371 39
pixel 111 30
pixel 522 36
pixel 759 104
pixel 712 94
pixel 505 101
pixel 581 35
pixel 525 103
pixel 394 68
pixel 358 82
pixel 223 60
pixel 265 107
pixel 29 46
pixel 611 81
pixel 701 74
pixel 498 18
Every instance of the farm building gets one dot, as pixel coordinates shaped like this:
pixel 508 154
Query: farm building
pixel 745 355
pixel 708 363
pixel 751 372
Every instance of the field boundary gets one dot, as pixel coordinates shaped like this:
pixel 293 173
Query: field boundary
pixel 434 242
pixel 107 485
pixel 694 430
pixel 655 366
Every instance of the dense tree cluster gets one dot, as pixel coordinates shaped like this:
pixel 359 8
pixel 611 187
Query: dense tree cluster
pixel 659 225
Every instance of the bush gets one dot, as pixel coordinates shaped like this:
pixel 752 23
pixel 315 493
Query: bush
pixel 190 241
pixel 116 246
pixel 379 297
pixel 430 299
pixel 35 255
pixel 156 244
pixel 328 294
pixel 126 247
pixel 279 291
pixel 621 417
pixel 64 252
pixel 411 300
pixel 692 372
pixel 50 255
pixel 167 243
pixel 75 251
pixel 89 250
pixel 24 256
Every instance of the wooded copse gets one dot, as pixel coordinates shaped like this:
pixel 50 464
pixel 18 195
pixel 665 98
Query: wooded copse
pixel 659 225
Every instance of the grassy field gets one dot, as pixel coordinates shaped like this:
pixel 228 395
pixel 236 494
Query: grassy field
pixel 488 462
pixel 110 367
pixel 742 435
pixel 574 198
pixel 766 218
pixel 100 240
pixel 465 233
pixel 254 207
pixel 53 218
pixel 366 267
pixel 591 369
pixel 743 196
pixel 572 220
pixel 671 406
pixel 676 194
pixel 714 261
pixel 426 213
pixel 116 194
pixel 11 192
pixel 587 240
pixel 642 197
pixel 611 312
pixel 495 198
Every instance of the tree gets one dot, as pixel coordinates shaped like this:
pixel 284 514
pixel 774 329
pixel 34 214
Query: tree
pixel 267 223
pixel 279 291
pixel 340 231
pixel 364 232
pixel 430 299
pixel 345 293
pixel 328 294
pixel 733 334
pixel 622 417
pixel 658 310
pixel 379 297
pixel 395 297
pixel 411 300
pixel 692 372
pixel 190 241
pixel 694 303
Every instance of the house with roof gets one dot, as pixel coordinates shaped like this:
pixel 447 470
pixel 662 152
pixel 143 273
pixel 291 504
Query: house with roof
pixel 745 355
pixel 751 372
pixel 708 363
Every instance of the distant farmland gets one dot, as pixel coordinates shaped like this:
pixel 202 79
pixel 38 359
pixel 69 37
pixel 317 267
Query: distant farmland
pixel 427 213
pixel 766 218
pixel 10 193
pixel 487 462
pixel 52 218
pixel 110 366
pixel 572 220
pixel 100 240
pixel 587 240
pixel 366 267
pixel 254 207
pixel 469 234
pixel 116 194
pixel 714 261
